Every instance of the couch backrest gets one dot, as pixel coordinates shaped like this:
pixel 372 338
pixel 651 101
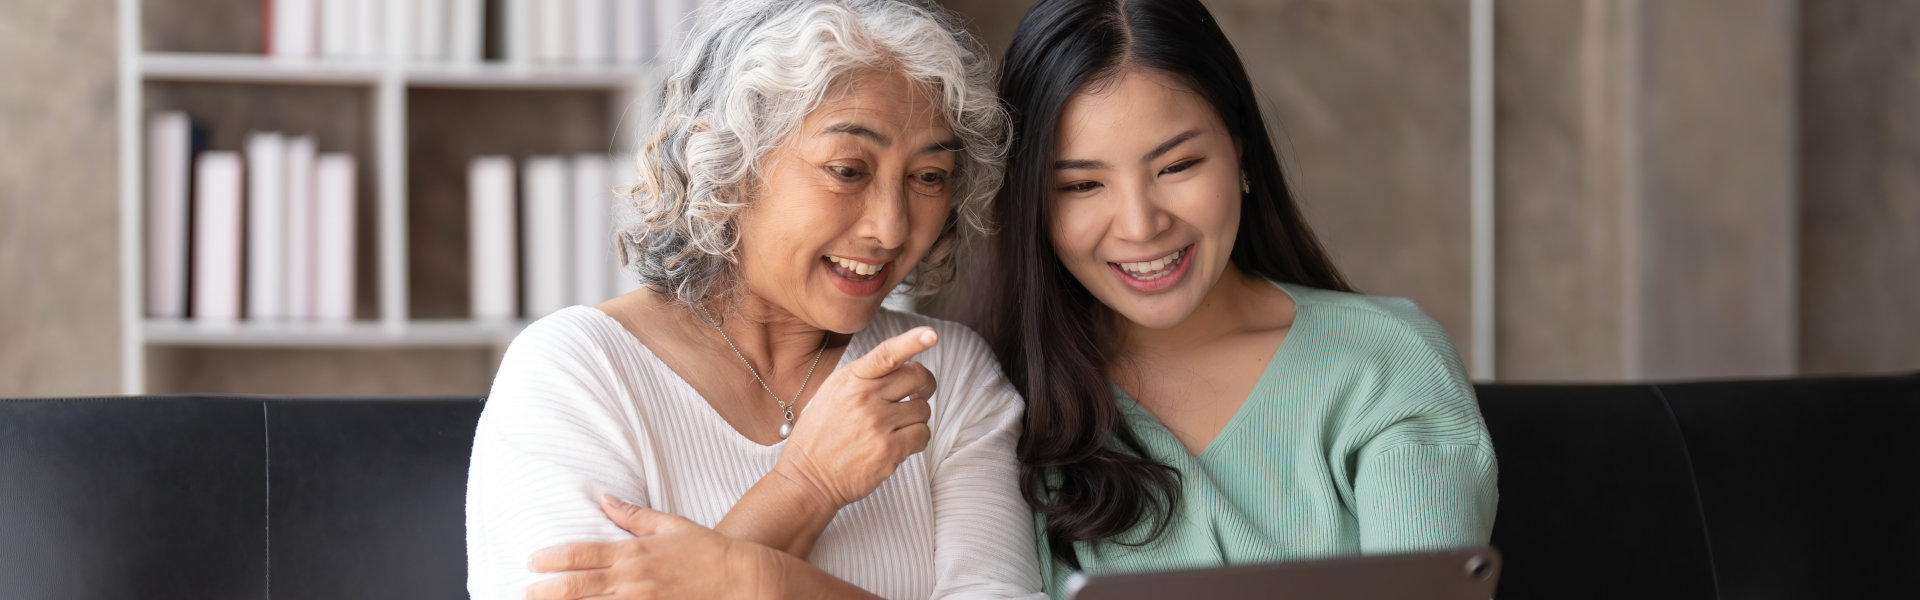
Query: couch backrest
pixel 1712 490
pixel 234 497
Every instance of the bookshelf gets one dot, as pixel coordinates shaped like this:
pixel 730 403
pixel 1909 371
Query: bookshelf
pixel 381 89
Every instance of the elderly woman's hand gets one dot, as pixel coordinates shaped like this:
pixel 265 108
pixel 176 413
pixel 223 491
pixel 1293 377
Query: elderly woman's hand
pixel 863 421
pixel 668 557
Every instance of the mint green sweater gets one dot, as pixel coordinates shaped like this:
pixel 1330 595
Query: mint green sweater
pixel 1362 436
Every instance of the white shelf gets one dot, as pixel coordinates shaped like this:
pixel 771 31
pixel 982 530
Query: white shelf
pixel 493 75
pixel 254 68
pixel 357 334
pixel 387 80
pixel 248 68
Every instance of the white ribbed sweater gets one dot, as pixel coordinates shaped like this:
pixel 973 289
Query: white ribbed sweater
pixel 580 408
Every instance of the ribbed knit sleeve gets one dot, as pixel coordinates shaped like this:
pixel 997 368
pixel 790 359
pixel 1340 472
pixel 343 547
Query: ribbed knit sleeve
pixel 1423 470
pixel 548 444
pixel 982 529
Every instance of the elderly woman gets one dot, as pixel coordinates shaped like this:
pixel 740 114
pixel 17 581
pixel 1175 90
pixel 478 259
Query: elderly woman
pixel 753 420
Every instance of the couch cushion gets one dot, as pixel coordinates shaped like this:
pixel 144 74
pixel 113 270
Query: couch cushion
pixel 132 498
pixel 1595 497
pixel 1809 485
pixel 369 497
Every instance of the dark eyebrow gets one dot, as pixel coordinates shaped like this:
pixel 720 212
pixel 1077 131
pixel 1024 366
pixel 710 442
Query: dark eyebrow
pixel 1163 148
pixel 1170 144
pixel 1062 165
pixel 856 129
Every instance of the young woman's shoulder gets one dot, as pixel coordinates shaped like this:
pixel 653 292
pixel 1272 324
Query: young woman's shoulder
pixel 1377 328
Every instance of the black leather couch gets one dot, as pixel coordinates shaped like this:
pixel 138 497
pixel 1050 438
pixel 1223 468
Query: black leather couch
pixel 1759 489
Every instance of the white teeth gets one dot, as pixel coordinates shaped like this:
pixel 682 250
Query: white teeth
pixel 1153 266
pixel 857 267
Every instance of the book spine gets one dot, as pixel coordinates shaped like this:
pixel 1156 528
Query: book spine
pixel 430 30
pixel 632 31
pixel 492 239
pixel 336 200
pixel 592 31
pixel 216 236
pixel 336 28
pixel 466 30
pixel 592 229
pixel 266 226
pixel 300 228
pixel 544 212
pixel 169 175
pixel 294 23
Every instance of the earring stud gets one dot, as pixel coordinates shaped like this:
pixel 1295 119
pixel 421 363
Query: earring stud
pixel 1245 187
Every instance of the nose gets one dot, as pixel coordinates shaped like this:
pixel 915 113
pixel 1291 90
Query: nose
pixel 1140 218
pixel 884 219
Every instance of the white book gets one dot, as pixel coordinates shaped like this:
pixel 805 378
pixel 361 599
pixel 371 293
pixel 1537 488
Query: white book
pixel 368 19
pixel 266 226
pixel 517 31
pixel 430 29
pixel 216 235
pixel 336 200
pixel 492 249
pixel 397 29
pixel 169 173
pixel 295 23
pixel 336 28
pixel 553 24
pixel 592 31
pixel 672 19
pixel 592 229
pixel 466 30
pixel 300 222
pixel 545 209
pixel 632 31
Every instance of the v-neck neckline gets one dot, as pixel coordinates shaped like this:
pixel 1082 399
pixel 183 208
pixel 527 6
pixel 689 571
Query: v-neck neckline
pixel 857 345
pixel 1247 405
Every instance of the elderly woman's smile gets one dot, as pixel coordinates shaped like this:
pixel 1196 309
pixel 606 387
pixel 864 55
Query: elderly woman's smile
pixel 851 202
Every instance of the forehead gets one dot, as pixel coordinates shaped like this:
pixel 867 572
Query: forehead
pixel 879 98
pixel 1136 108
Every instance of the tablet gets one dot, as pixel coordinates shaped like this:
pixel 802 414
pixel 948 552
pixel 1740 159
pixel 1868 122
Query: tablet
pixel 1466 574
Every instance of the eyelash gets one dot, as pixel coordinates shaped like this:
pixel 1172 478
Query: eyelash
pixel 1088 186
pixel 846 173
pixel 1180 166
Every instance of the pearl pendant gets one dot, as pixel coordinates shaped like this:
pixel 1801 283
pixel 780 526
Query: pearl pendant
pixel 785 430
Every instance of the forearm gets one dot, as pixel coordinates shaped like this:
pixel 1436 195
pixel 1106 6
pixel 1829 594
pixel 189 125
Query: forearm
pixel 788 577
pixel 779 512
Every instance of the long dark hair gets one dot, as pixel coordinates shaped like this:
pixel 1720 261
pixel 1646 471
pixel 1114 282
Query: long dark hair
pixel 1082 467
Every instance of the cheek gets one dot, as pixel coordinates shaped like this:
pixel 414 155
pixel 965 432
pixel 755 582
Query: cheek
pixel 1073 232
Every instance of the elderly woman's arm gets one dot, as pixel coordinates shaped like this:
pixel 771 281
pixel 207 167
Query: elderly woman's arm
pixel 549 443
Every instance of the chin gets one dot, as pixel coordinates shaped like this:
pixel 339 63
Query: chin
pixel 846 317
pixel 1156 313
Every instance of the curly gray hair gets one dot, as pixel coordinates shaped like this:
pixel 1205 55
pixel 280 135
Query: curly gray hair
pixel 751 72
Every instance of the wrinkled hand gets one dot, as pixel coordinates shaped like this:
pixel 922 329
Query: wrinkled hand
pixel 857 427
pixel 669 557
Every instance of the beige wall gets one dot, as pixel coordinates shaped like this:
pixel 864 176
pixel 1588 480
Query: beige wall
pixel 59 249
pixel 1699 189
pixel 1859 221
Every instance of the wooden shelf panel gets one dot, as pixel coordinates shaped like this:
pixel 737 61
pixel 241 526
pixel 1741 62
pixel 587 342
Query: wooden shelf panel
pixel 253 68
pixel 357 334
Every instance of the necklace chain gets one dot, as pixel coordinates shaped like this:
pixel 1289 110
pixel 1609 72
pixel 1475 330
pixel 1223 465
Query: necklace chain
pixel 786 407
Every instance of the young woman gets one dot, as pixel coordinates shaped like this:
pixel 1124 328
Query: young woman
pixel 1203 387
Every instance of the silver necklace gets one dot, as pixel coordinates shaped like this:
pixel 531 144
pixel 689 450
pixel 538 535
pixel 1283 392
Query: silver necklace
pixel 786 407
